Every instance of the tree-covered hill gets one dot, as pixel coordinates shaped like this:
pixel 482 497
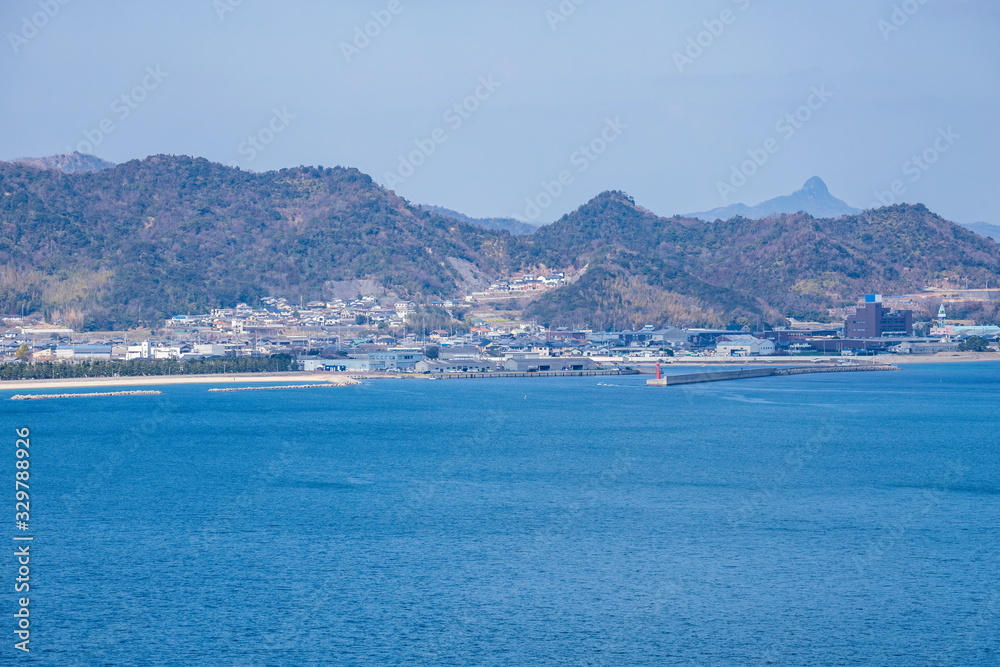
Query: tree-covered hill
pixel 165 235
pixel 168 235
pixel 646 269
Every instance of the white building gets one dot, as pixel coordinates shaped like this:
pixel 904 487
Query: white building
pixel 141 351
pixel 743 346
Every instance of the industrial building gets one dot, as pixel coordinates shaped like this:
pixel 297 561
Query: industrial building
pixel 873 320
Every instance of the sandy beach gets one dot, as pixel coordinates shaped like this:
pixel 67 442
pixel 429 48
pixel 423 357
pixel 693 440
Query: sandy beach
pixel 147 380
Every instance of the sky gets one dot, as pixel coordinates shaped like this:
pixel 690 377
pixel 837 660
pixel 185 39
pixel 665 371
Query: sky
pixel 527 108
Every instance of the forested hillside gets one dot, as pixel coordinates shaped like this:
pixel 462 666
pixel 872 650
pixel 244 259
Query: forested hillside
pixel 167 235
pixel 648 269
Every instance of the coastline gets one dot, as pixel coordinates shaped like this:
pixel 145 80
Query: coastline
pixel 148 380
pixel 341 379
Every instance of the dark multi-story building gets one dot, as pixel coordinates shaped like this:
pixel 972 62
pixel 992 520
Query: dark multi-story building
pixel 873 320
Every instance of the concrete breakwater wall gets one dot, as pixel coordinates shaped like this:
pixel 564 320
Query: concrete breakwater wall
pixel 33 397
pixel 346 382
pixel 533 374
pixel 710 376
pixel 716 376
pixel 835 369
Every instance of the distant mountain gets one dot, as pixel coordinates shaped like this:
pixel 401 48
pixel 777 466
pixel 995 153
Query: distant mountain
pixel 986 229
pixel 814 198
pixel 68 163
pixel 515 227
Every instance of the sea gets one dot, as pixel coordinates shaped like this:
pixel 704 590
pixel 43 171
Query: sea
pixel 827 519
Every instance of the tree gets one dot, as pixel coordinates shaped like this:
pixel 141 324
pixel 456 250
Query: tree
pixel 22 352
pixel 432 352
pixel 974 344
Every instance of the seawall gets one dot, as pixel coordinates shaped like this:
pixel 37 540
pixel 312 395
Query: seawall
pixel 716 376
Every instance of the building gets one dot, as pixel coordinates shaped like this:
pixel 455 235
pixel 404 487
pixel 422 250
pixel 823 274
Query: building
pixel 542 364
pixel 911 347
pixel 396 359
pixel 457 366
pixel 84 352
pixel 744 346
pixel 872 320
pixel 338 365
pixel 459 354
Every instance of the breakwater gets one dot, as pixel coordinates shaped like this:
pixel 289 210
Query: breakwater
pixel 32 397
pixel 345 383
pixel 836 369
pixel 534 374
pixel 717 376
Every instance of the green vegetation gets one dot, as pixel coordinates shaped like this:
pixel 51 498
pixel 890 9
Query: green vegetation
pixel 93 369
pixel 432 318
pixel 974 344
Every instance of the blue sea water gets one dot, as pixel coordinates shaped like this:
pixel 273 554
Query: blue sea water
pixel 831 519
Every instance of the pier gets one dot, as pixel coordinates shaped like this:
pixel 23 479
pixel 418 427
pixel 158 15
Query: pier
pixel 717 376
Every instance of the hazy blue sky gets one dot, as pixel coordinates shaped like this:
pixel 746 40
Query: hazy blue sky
pixel 675 121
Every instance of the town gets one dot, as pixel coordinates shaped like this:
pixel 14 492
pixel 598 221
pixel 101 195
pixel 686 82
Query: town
pixel 370 334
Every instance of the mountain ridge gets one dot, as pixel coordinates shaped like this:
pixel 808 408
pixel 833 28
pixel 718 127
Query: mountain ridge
pixel 987 229
pixel 68 163
pixel 167 235
pixel 512 225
